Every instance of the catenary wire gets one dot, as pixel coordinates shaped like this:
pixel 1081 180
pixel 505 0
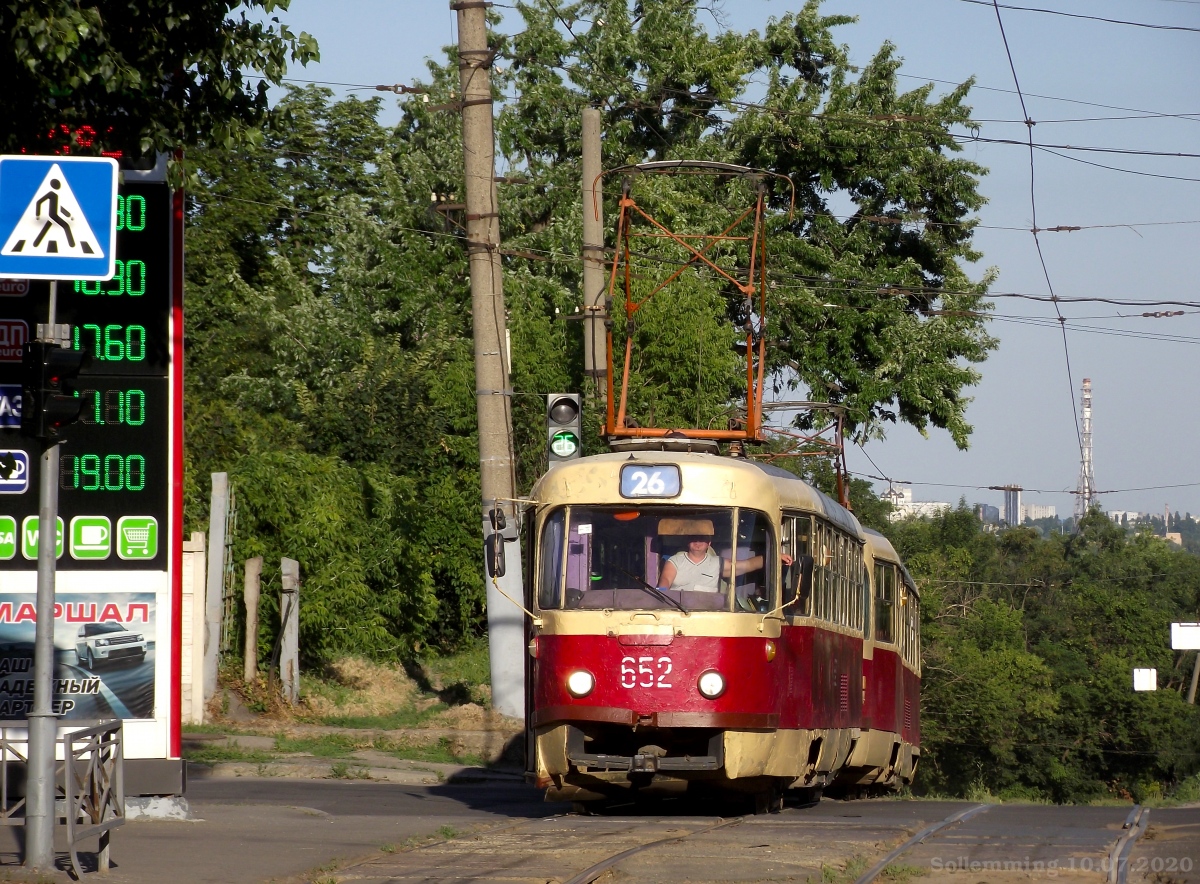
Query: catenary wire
pixel 1036 240
pixel 1111 21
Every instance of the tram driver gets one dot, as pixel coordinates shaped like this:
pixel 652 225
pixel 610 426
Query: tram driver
pixel 697 567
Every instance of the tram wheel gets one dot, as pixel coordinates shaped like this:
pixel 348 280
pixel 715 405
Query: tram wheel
pixel 769 800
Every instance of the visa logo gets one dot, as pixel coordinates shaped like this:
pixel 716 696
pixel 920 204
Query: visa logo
pixel 10 405
pixel 14 472
pixel 13 335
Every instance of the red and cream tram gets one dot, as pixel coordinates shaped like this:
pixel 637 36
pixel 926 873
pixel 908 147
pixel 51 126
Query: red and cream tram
pixel 711 623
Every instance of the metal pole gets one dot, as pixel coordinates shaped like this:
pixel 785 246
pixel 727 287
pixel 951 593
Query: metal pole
pixel 595 361
pixel 43 723
pixel 497 469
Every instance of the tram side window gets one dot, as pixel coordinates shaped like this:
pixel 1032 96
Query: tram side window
pixel 821 577
pixel 753 589
pixel 796 543
pixel 885 601
pixel 865 600
pixel 854 558
pixel 551 550
pixel 912 628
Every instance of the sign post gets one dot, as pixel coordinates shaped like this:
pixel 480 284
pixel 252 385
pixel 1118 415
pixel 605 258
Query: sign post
pixel 58 220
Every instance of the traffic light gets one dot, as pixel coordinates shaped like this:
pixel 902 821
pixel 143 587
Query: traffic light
pixel 564 427
pixel 48 401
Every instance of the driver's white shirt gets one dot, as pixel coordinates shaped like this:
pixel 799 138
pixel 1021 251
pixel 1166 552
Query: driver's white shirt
pixel 702 577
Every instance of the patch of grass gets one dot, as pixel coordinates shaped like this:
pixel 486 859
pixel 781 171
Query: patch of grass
pixel 850 870
pixel 323 746
pixel 230 752
pixel 901 873
pixel 458 677
pixel 205 729
pixel 341 770
pixel 440 753
pixel 388 848
pixel 447 832
pixel 409 716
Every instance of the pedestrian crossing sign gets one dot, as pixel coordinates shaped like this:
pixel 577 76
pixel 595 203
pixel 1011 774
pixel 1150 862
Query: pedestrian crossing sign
pixel 58 217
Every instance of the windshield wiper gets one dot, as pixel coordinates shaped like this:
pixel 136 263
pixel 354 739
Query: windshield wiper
pixel 653 590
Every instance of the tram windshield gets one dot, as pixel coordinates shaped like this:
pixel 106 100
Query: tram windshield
pixel 656 558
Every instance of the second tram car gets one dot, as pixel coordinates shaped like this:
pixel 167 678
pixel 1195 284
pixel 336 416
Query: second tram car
pixel 710 623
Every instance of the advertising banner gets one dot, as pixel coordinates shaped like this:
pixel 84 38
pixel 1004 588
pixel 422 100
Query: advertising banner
pixel 104 649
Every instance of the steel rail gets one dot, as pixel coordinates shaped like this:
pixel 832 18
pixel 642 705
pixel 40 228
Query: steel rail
pixel 591 873
pixel 1118 858
pixel 916 839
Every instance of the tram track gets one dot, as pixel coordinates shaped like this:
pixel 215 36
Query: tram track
pixel 954 819
pixel 1004 843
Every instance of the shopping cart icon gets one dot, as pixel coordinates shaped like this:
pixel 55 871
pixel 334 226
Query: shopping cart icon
pixel 137 537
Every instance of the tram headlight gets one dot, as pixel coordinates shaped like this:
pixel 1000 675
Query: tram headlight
pixel 580 683
pixel 711 684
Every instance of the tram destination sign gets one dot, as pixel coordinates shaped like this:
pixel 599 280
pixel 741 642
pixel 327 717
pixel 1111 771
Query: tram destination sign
pixel 115 476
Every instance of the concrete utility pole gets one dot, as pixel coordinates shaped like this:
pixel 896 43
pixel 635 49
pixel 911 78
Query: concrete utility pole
pixel 595 359
pixel 218 513
pixel 250 590
pixel 289 641
pixel 506 629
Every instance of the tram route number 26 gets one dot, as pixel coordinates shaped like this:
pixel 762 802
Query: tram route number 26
pixel 645 672
pixel 638 480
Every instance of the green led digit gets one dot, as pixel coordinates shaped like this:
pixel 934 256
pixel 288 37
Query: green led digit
pixel 90 468
pixel 138 269
pixel 96 419
pixel 134 213
pixel 120 212
pixel 96 340
pixel 135 343
pixel 114 348
pixel 135 471
pixel 114 411
pixel 114 472
pixel 84 287
pixel 135 408
pixel 118 279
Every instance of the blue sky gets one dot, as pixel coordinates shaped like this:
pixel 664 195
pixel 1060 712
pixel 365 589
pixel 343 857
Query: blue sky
pixel 1146 418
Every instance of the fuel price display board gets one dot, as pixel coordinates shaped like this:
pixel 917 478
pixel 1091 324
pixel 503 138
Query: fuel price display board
pixel 120 483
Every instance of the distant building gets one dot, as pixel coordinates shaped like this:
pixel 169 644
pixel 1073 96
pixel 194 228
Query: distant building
pixel 904 506
pixel 988 514
pixel 1034 511
pixel 1175 537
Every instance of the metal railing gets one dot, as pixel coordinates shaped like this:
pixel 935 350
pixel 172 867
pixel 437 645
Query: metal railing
pixel 89 781
pixel 93 783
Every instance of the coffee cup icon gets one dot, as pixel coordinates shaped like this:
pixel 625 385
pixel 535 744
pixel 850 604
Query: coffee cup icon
pixel 93 535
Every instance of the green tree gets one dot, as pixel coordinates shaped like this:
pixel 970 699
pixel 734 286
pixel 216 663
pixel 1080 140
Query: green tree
pixel 871 311
pixel 149 76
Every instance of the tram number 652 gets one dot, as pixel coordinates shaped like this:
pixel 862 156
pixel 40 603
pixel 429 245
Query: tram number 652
pixel 645 672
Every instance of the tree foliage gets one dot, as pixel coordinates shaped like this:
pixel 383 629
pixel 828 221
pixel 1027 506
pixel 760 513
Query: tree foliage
pixel 1029 647
pixel 140 77
pixel 328 305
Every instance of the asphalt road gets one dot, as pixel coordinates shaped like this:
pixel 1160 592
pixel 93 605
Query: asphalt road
pixel 253 830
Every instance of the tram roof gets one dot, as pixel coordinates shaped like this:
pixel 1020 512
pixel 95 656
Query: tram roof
pixel 754 480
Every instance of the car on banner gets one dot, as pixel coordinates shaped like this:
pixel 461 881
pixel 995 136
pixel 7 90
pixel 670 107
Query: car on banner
pixel 103 642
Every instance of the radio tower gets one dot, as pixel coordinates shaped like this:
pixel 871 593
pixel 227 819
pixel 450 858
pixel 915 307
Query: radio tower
pixel 1085 494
